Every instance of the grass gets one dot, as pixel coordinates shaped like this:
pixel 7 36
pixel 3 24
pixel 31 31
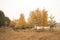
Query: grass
pixel 10 34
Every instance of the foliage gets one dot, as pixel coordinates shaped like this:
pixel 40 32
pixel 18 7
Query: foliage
pixel 3 19
pixel 20 23
pixel 7 21
pixel 31 19
pixel 52 23
pixel 44 18
pixel 38 18
pixel 13 23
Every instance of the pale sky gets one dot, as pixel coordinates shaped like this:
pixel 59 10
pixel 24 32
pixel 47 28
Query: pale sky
pixel 13 8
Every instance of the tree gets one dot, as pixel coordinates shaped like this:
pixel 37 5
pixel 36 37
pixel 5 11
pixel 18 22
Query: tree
pixel 44 18
pixel 2 14
pixel 7 21
pixel 13 23
pixel 31 19
pixel 52 23
pixel 21 22
pixel 38 17
pixel 35 18
pixel 2 18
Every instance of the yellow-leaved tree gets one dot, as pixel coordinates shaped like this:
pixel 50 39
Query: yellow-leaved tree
pixel 13 23
pixel 44 18
pixel 21 22
pixel 38 18
pixel 35 18
pixel 31 19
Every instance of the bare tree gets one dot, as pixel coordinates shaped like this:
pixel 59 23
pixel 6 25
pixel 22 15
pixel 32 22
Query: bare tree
pixel 52 23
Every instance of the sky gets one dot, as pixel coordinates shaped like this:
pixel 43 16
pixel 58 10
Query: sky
pixel 13 8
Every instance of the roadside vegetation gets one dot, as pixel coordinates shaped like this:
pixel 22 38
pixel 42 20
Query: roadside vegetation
pixel 37 18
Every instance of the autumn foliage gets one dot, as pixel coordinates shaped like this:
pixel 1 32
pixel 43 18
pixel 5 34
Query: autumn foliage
pixel 19 23
pixel 36 18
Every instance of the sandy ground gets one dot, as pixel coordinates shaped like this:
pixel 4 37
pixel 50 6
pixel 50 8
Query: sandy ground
pixel 9 34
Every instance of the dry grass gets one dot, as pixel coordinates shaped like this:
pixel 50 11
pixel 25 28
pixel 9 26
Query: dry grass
pixel 9 34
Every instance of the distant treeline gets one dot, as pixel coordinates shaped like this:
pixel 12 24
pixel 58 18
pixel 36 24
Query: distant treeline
pixel 36 18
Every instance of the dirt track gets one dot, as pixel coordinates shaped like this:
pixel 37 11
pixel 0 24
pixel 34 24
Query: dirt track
pixel 9 34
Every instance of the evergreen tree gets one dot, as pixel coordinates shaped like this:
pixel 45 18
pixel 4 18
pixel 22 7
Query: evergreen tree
pixel 2 18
